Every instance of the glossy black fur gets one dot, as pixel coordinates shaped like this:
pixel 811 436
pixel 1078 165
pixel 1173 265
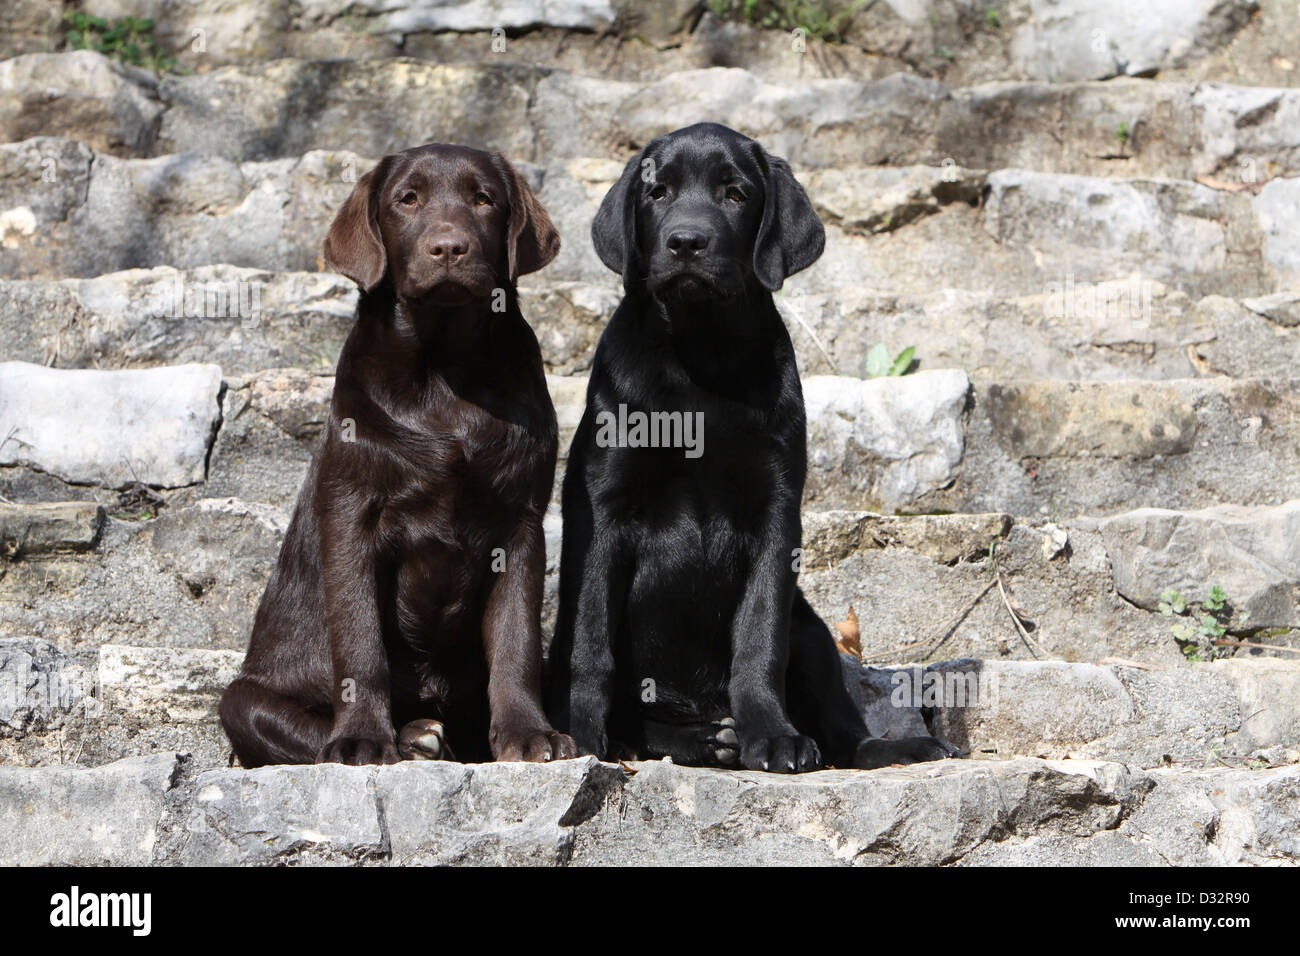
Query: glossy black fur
pixel 680 616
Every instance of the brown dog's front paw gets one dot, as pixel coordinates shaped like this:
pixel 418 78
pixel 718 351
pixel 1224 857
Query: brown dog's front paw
pixel 358 750
pixel 536 746
pixel 424 739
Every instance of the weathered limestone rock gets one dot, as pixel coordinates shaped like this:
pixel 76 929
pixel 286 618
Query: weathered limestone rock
pixel 885 442
pixel 1252 553
pixel 113 108
pixel 110 428
pixel 51 816
pixel 41 528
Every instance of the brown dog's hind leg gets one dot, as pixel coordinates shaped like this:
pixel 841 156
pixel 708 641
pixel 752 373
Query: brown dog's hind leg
pixel 424 739
pixel 268 727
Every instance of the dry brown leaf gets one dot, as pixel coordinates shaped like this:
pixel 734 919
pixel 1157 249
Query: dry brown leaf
pixel 1228 187
pixel 849 641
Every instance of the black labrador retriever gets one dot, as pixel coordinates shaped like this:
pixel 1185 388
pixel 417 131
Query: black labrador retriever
pixel 681 631
pixel 408 590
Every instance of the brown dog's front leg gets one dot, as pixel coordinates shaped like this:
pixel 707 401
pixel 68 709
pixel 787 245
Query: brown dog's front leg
pixel 513 643
pixel 362 730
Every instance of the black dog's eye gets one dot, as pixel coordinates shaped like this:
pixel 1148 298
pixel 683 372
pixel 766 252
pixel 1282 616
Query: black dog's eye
pixel 481 198
pixel 735 195
pixel 659 191
pixel 409 199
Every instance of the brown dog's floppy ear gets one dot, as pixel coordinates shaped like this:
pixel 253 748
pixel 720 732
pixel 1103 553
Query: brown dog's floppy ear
pixel 613 231
pixel 353 246
pixel 791 236
pixel 532 241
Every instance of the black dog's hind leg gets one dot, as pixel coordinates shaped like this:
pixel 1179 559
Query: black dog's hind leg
pixel 708 743
pixel 819 700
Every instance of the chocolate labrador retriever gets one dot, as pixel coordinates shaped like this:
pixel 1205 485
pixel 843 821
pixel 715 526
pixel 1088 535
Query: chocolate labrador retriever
pixel 408 590
pixel 681 631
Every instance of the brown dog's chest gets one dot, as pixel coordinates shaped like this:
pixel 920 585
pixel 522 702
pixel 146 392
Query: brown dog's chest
pixel 459 488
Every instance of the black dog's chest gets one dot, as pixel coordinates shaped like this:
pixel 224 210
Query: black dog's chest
pixel 728 474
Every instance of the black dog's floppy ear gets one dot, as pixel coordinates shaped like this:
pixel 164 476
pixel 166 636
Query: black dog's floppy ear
pixel 791 236
pixel 353 245
pixel 613 231
pixel 532 240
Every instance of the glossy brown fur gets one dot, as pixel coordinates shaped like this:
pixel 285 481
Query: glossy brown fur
pixel 409 585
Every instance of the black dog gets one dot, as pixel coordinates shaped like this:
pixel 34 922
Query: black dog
pixel 681 630
pixel 408 591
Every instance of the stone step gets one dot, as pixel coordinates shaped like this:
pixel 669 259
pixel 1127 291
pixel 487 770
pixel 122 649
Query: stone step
pixel 160 810
pixel 925 442
pixel 86 709
pixel 925 587
pixel 956 41
pixel 68 212
pixel 251 320
pixel 929 441
pixel 284 108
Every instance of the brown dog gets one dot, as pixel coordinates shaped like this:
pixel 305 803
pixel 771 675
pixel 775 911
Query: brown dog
pixel 408 590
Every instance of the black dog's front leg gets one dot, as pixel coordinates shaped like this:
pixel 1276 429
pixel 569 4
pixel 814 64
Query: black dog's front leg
pixel 591 657
pixel 760 654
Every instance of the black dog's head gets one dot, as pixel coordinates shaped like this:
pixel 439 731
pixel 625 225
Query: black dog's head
pixel 701 212
pixel 445 224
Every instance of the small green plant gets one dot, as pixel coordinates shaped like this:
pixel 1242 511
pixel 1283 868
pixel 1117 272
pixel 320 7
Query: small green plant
pixel 825 20
pixel 1171 603
pixel 1122 134
pixel 1217 600
pixel 993 19
pixel 880 365
pixel 1198 636
pixel 129 40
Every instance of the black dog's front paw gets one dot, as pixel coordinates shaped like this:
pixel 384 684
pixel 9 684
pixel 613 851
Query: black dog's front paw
pixel 358 750
pixel 875 752
pixel 792 754
pixel 591 743
pixel 725 742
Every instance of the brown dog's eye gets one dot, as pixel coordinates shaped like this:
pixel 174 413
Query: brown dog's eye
pixel 659 192
pixel 735 195
pixel 409 199
pixel 481 198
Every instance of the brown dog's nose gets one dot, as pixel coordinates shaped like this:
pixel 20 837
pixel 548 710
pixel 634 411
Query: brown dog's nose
pixel 449 246
pixel 687 243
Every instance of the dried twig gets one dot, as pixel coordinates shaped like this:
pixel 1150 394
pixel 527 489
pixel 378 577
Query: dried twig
pixel 1034 647
pixel 1125 662
pixel 930 645
pixel 794 310
pixel 1223 641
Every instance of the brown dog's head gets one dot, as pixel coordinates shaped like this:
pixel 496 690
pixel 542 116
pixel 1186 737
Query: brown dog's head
pixel 444 224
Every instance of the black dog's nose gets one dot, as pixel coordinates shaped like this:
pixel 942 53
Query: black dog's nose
pixel 449 246
pixel 687 244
